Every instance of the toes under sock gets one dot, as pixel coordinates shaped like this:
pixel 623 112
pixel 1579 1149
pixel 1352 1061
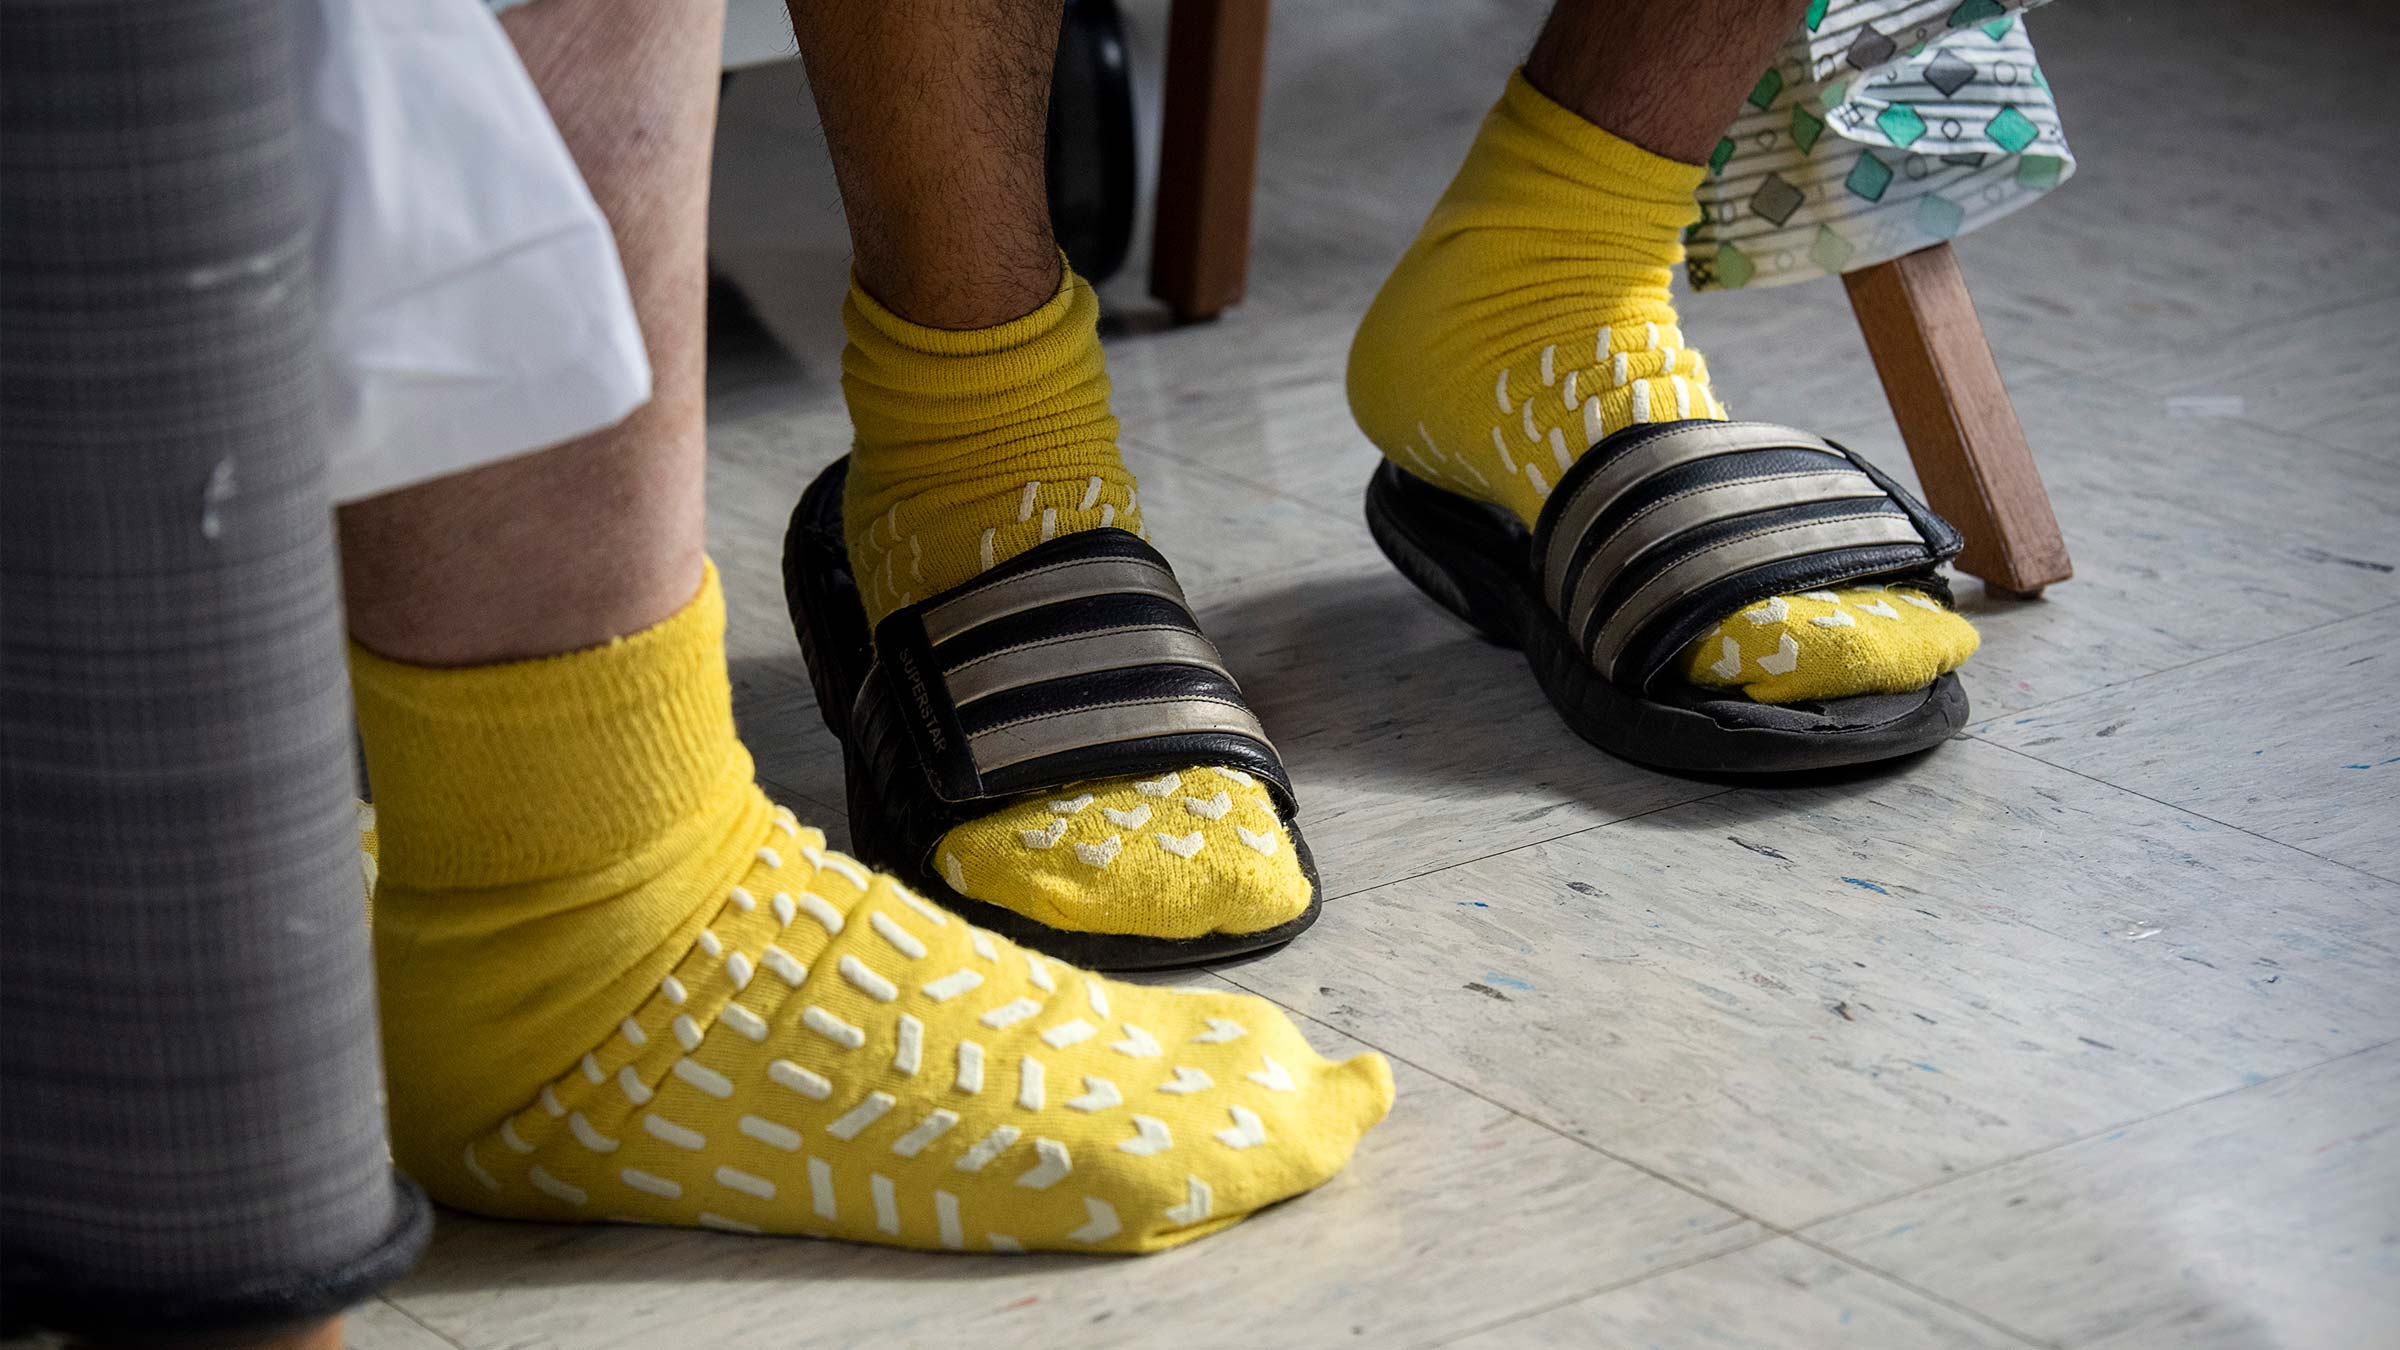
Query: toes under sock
pixel 1830 644
pixel 1533 316
pixel 618 984
pixel 973 447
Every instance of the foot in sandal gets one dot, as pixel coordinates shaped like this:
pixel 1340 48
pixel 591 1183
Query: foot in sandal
pixel 1037 732
pixel 1695 593
pixel 619 985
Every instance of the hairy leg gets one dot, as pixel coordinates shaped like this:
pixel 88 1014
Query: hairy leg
pixel 616 981
pixel 935 112
pixel 1666 77
pixel 601 536
pixel 979 395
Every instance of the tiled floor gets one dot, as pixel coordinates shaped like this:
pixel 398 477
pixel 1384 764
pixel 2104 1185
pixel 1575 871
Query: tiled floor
pixel 2083 1031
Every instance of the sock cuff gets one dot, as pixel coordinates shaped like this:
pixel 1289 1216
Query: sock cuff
pixel 1595 155
pixel 553 766
pixel 866 321
pixel 925 400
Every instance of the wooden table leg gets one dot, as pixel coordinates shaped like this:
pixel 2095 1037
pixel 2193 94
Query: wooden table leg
pixel 1957 420
pixel 1216 69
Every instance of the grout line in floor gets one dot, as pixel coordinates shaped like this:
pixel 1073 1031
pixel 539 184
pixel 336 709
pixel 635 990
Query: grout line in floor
pixel 1719 1201
pixel 1522 1314
pixel 2315 440
pixel 2185 810
pixel 1975 727
pixel 1771 1230
pixel 418 1322
pixel 1347 516
pixel 1801 1233
pixel 2303 313
pixel 2097 1132
pixel 1536 1121
pixel 1928 1295
pixel 787 795
pixel 1530 843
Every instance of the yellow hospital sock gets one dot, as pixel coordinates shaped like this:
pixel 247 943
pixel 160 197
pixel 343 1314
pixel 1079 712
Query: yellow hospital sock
pixel 1532 317
pixel 618 984
pixel 972 448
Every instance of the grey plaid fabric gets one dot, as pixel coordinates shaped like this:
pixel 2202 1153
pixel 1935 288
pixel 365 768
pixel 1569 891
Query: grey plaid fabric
pixel 191 1129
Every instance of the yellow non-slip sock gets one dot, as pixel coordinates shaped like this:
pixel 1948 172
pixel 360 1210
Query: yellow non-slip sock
pixel 1828 644
pixel 973 447
pixel 1532 316
pixel 618 984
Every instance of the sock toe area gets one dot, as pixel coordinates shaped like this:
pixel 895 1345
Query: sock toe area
pixel 1821 645
pixel 850 1061
pixel 1181 855
pixel 644 994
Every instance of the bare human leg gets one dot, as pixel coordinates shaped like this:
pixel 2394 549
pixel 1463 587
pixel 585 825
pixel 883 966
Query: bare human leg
pixel 943 187
pixel 600 537
pixel 979 395
pixel 616 981
pixel 1665 77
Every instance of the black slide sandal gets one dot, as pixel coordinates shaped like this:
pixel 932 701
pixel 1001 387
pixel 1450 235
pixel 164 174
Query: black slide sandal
pixel 1650 539
pixel 1076 660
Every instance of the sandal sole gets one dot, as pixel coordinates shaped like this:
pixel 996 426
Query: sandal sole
pixel 1471 559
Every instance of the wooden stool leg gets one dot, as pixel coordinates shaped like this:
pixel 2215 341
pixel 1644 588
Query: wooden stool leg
pixel 1956 418
pixel 1208 154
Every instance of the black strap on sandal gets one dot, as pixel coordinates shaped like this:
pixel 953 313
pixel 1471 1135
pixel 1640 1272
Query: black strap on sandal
pixel 1665 527
pixel 1079 659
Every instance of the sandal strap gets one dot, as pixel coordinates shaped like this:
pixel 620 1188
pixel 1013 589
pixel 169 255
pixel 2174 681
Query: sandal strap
pixel 1079 659
pixel 1664 527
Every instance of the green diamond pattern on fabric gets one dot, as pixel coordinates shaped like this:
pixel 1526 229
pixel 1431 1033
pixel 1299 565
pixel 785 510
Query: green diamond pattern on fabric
pixel 1776 199
pixel 1870 49
pixel 1901 123
pixel 1868 178
pixel 1933 115
pixel 1949 73
pixel 1762 94
pixel 2039 172
pixel 2010 130
pixel 1734 268
pixel 1829 250
pixel 1939 216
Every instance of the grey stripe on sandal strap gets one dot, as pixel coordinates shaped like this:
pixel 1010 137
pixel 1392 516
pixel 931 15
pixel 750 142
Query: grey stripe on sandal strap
pixel 1047 734
pixel 1080 654
pixel 1662 523
pixel 1078 659
pixel 1661 528
pixel 1648 457
pixel 1050 586
pixel 1740 554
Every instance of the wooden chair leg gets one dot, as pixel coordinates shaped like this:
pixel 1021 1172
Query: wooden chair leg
pixel 1957 420
pixel 1208 154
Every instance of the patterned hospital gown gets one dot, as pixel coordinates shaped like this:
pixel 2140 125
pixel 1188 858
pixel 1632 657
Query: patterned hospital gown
pixel 1883 127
